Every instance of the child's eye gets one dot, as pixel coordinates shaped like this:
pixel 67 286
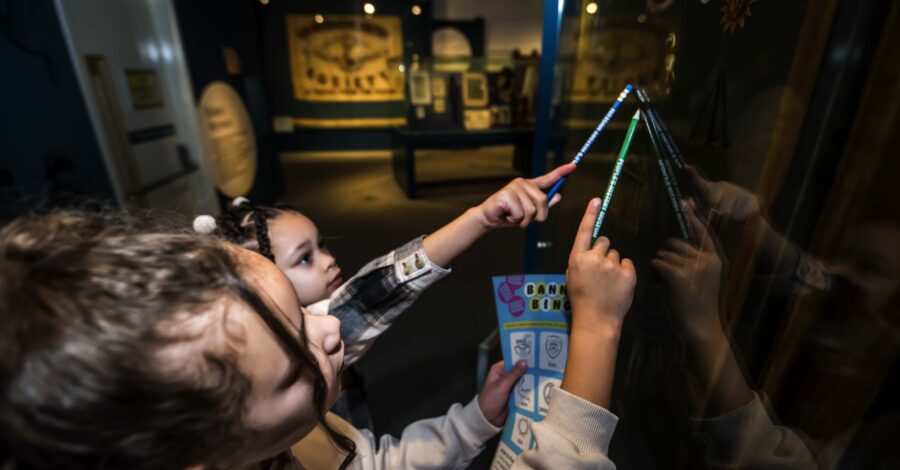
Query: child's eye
pixel 303 259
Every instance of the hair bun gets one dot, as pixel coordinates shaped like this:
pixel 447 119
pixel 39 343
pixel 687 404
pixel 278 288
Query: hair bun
pixel 238 201
pixel 205 224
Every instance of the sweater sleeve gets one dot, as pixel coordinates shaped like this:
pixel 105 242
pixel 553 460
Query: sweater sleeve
pixel 449 441
pixel 575 435
pixel 748 438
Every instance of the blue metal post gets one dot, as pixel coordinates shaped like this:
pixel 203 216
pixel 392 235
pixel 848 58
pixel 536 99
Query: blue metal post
pixel 549 42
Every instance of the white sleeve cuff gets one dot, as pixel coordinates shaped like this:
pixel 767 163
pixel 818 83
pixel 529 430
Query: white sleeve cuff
pixel 476 423
pixel 587 426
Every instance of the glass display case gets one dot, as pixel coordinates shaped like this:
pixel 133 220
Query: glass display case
pixel 466 103
pixel 471 93
pixel 778 299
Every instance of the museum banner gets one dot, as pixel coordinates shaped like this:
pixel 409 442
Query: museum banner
pixel 345 58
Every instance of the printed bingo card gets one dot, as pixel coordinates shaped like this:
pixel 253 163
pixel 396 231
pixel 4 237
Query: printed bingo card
pixel 534 314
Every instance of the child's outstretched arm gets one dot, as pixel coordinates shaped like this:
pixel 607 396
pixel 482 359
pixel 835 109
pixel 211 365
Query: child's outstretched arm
pixel 601 287
pixel 578 427
pixel 369 302
pixel 519 203
pixel 449 441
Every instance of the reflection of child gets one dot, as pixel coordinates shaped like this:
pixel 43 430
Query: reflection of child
pixel 836 370
pixel 129 350
pixel 733 417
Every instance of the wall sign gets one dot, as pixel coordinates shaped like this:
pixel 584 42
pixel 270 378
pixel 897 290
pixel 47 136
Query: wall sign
pixel 144 88
pixel 231 143
pixel 346 58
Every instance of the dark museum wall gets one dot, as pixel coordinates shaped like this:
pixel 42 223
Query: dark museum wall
pixel 208 27
pixel 48 150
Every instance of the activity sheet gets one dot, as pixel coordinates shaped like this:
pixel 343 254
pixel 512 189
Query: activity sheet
pixel 534 315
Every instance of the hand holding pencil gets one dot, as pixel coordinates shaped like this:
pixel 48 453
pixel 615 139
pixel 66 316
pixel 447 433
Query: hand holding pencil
pixel 522 201
pixel 600 282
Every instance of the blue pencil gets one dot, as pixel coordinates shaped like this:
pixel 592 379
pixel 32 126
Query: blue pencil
pixel 592 137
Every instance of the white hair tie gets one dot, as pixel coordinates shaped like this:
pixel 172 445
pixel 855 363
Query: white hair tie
pixel 204 224
pixel 239 200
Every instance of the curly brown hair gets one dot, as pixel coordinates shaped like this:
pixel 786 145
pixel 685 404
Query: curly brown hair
pixel 86 305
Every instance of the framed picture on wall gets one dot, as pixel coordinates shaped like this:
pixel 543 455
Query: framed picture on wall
pixel 475 90
pixel 420 88
pixel 144 88
pixel 477 119
pixel 438 86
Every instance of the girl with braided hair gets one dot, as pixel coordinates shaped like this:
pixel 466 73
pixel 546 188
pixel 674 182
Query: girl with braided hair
pixel 372 299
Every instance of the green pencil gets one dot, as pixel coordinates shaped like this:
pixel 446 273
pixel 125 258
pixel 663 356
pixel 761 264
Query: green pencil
pixel 617 171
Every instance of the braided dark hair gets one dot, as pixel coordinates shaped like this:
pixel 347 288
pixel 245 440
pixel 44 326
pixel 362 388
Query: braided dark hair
pixel 262 235
pixel 247 225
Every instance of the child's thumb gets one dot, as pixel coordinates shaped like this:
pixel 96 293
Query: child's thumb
pixel 510 378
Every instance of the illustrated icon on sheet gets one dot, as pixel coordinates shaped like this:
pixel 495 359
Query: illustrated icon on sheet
pixel 548 391
pixel 523 346
pixel 545 391
pixel 521 435
pixel 553 346
pixel 525 392
pixel 523 427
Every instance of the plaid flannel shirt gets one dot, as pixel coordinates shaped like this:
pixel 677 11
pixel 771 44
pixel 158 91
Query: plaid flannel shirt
pixel 369 302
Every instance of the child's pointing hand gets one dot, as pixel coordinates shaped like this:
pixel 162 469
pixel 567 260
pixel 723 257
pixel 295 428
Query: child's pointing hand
pixel 522 201
pixel 518 203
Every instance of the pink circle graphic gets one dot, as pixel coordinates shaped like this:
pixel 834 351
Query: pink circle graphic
pixel 505 293
pixel 515 281
pixel 516 306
